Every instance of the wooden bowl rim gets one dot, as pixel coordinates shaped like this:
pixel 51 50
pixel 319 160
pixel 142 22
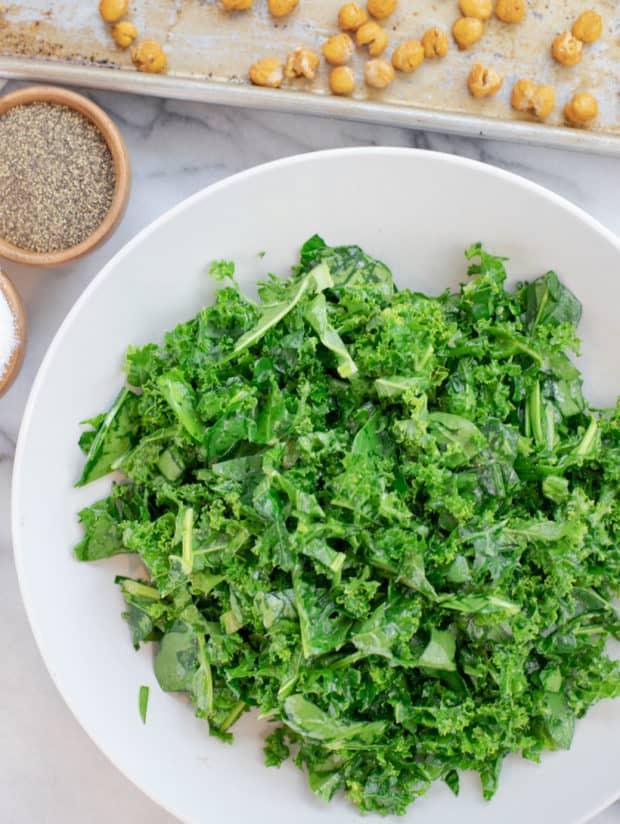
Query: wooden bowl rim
pixel 118 149
pixel 7 287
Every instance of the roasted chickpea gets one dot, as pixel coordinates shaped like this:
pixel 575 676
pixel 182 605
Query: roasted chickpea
pixel 467 31
pixel 435 43
pixel 372 35
pixel 302 62
pixel 581 108
pixel 566 49
pixel 380 9
pixel 351 17
pixel 522 98
pixel 378 74
pixel 484 82
pixel 544 101
pixel 342 80
pixel 113 10
pixel 482 9
pixel 280 8
pixel 536 100
pixel 338 50
pixel 124 33
pixel 588 26
pixel 408 56
pixel 267 72
pixel 148 56
pixel 510 11
pixel 237 5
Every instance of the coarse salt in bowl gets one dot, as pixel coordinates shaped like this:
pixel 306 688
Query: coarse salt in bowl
pixel 12 333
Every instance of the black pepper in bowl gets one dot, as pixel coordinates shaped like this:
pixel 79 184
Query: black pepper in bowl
pixel 57 177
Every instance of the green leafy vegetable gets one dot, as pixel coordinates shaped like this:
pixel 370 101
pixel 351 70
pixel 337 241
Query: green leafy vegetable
pixel 114 436
pixel 315 281
pixel 143 702
pixel 389 522
pixel 316 315
pixel 222 270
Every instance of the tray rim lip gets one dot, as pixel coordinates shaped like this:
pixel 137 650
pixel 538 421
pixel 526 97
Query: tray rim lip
pixel 245 96
pixel 298 159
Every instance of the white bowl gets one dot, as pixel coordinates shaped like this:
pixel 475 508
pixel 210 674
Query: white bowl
pixel 417 211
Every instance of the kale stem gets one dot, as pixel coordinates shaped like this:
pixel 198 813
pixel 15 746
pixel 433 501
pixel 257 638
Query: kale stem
pixel 208 674
pixel 348 659
pixel 588 438
pixel 232 716
pixel 187 558
pixel 534 401
pixel 549 427
pixel 140 590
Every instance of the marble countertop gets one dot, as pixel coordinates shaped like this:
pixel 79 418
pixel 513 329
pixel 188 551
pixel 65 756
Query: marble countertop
pixel 49 770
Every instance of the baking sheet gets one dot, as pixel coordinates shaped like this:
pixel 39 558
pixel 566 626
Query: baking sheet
pixel 210 51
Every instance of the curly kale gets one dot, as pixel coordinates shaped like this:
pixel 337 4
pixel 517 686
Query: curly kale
pixel 389 521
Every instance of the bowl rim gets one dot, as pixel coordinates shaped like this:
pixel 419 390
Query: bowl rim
pixel 115 142
pixel 231 180
pixel 13 298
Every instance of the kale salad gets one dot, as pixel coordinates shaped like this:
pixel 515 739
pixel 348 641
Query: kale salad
pixel 388 521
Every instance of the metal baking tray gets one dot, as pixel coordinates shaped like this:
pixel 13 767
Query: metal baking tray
pixel 210 51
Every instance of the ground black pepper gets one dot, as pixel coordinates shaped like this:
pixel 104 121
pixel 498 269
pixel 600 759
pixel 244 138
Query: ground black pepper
pixel 56 177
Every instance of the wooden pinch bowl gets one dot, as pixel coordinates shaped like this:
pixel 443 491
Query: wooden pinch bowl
pixel 116 144
pixel 17 308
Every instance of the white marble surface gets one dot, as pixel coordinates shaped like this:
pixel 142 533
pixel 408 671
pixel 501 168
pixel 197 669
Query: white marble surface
pixel 49 770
